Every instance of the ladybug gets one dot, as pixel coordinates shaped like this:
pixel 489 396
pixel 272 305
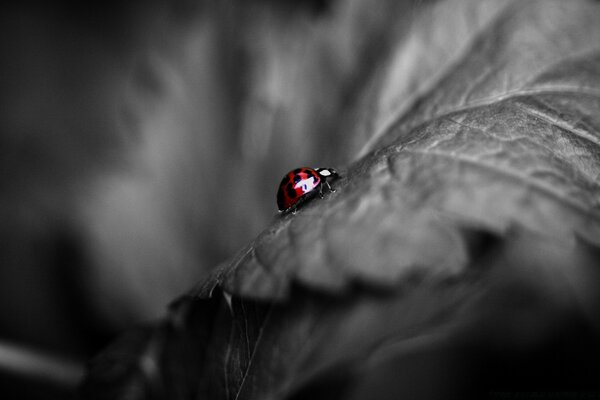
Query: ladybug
pixel 302 184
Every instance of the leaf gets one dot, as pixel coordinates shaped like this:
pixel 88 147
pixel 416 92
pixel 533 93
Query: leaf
pixel 458 256
pixel 507 135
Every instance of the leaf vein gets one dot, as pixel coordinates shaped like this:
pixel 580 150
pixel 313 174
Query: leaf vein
pixel 258 340
pixel 548 190
pixel 567 127
pixel 444 113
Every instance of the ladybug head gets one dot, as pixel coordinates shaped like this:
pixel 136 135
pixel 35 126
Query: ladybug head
pixel 327 173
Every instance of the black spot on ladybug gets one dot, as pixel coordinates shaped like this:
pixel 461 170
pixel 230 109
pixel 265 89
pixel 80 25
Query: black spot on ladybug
pixel 280 198
pixel 297 171
pixel 297 178
pixel 290 191
pixel 285 180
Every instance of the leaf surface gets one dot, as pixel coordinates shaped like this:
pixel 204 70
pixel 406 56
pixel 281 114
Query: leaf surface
pixel 509 134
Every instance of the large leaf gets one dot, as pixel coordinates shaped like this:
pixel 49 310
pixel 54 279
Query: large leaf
pixel 509 133
pixel 458 254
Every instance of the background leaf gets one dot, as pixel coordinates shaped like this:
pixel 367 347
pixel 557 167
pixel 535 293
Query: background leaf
pixel 458 255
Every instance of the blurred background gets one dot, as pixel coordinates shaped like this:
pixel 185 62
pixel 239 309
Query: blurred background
pixel 142 143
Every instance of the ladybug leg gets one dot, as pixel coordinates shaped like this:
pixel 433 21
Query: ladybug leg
pixel 329 186
pixel 321 191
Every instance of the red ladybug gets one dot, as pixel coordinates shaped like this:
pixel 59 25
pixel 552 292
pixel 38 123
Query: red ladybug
pixel 301 184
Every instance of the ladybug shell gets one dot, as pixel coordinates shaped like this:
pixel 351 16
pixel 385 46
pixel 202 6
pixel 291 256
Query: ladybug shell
pixel 295 185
